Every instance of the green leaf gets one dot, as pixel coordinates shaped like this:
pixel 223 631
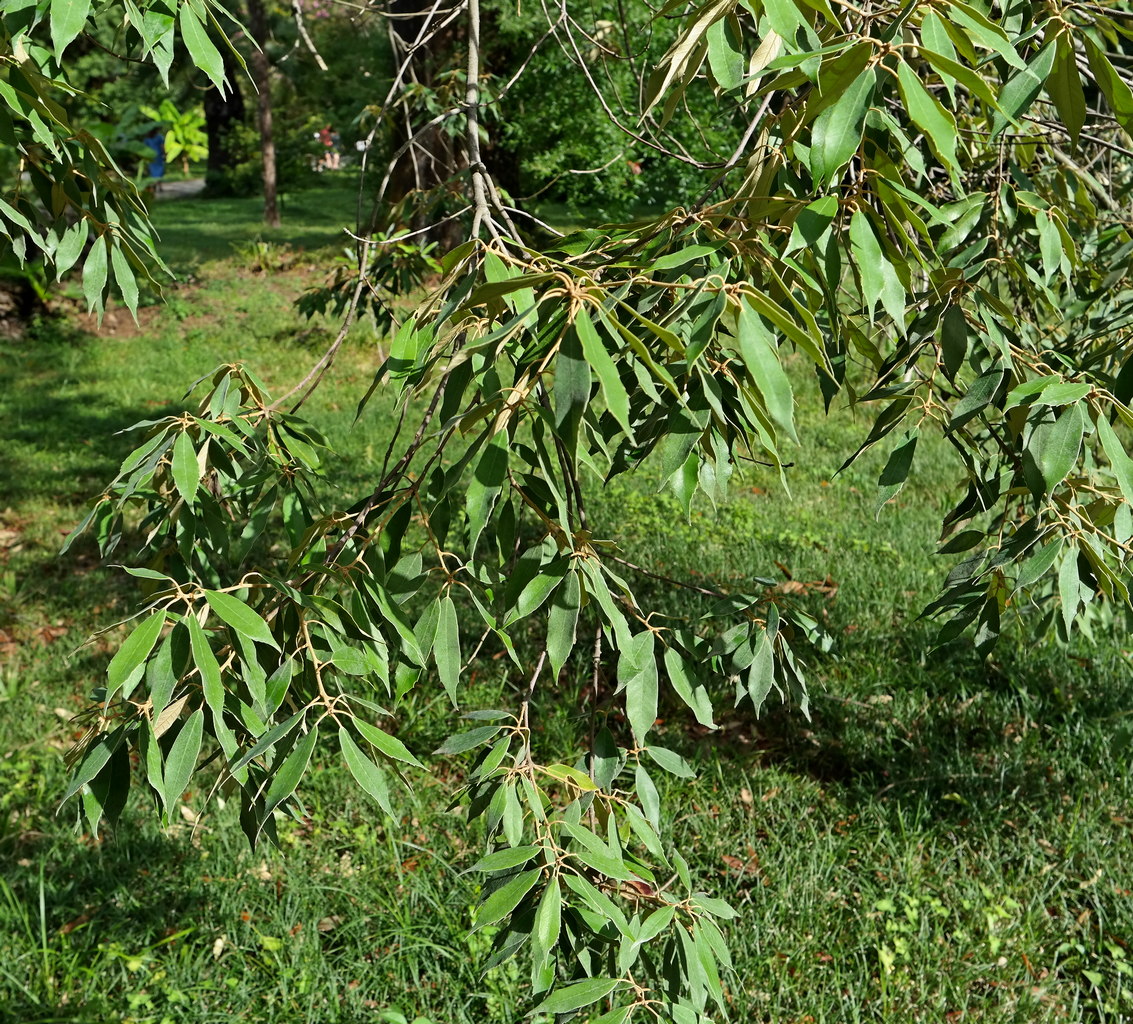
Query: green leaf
pixel 578 995
pixel 949 68
pixel 682 258
pixel 672 762
pixel 548 919
pixel 207 666
pixel 724 56
pixel 68 19
pixel 1119 460
pixel 1113 86
pixel 647 795
pixel 464 741
pixel 1069 588
pixel 595 353
pixel 927 113
pixel 637 672
pixel 185 468
pixel 812 224
pixel 896 470
pixel 70 247
pixel 286 777
pixel 1064 393
pixel 761 357
pixel 505 899
pixel 1035 567
pixel 596 854
pixel 389 745
pixel 837 131
pixel 761 674
pixel 562 622
pixel 879 280
pixel 367 774
pixel 696 697
pixel 128 664
pixel 565 773
pixel 1064 86
pixel 1055 447
pixel 124 276
pixel 94 760
pixel 953 339
pixel 94 273
pixel 484 487
pixel 181 761
pixel 501 860
pixel 240 617
pixel 266 741
pixel 1023 89
pixel 1050 243
pixel 201 49
pixel 571 391
pixel 446 648
pixel 984 31
pixel 537 590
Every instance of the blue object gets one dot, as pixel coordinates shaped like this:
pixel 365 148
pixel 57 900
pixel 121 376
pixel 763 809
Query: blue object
pixel 156 167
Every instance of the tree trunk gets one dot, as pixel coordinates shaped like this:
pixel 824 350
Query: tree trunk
pixel 222 112
pixel 417 196
pixel 261 72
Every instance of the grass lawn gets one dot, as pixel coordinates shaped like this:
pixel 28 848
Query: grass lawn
pixel 947 839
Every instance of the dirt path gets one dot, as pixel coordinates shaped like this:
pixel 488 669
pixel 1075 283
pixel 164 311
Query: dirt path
pixel 180 189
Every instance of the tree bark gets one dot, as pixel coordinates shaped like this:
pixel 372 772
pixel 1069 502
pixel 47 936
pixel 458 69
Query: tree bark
pixel 261 72
pixel 222 112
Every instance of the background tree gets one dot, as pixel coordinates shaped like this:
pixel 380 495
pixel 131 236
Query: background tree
pixel 258 26
pixel 921 204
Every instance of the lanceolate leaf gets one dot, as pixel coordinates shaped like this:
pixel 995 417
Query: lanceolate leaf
pixel 927 113
pixel 94 273
pixel 68 19
pixel 389 745
pixel 837 131
pixel 896 470
pixel 186 472
pixel 548 918
pixel 1055 447
pixel 578 995
pixel 367 774
pixel 1022 90
pixel 593 349
pixel 562 622
pixel 637 670
pixel 287 776
pixel 761 357
pixel 877 274
pixel 240 617
pixel 128 664
pixel 181 761
pixel 1064 85
pixel 201 49
pixel 207 666
pixel 1116 90
pixel 446 648
pixel 506 898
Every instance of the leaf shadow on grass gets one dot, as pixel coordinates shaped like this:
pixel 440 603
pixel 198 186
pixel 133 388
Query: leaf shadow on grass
pixel 58 440
pixel 896 721
pixel 79 910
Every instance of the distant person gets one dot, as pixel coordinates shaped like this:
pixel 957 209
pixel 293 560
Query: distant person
pixel 155 169
pixel 331 159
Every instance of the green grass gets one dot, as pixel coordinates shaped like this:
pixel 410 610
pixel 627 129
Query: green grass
pixel 946 839
pixel 194 231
